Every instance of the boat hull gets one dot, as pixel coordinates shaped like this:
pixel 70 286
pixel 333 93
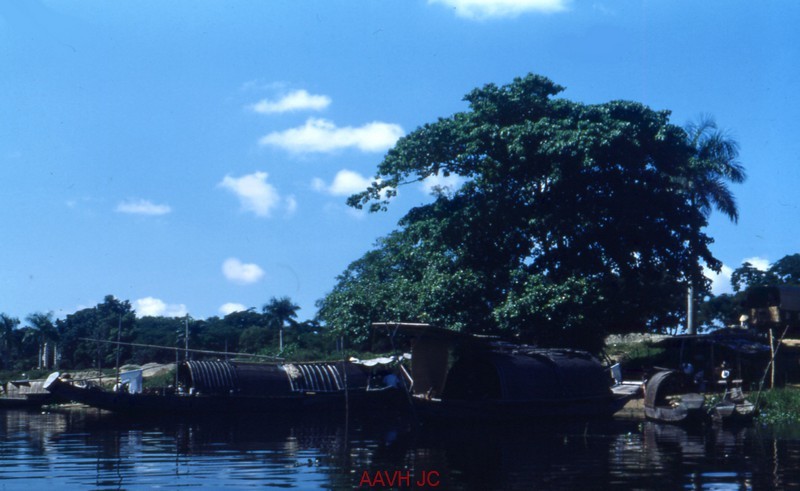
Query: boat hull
pixel 184 404
pixel 501 411
pixel 684 407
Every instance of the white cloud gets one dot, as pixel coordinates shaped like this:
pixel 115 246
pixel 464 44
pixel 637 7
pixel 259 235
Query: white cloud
pixel 321 135
pixel 242 273
pixel 299 100
pixel 155 307
pixel 440 183
pixel 759 263
pixel 485 9
pixel 720 282
pixel 142 207
pixel 231 307
pixel 254 192
pixel 345 183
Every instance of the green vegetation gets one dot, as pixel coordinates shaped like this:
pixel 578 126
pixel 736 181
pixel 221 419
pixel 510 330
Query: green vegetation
pixel 779 406
pixel 572 221
pixel 634 355
pixel 746 280
pixel 42 345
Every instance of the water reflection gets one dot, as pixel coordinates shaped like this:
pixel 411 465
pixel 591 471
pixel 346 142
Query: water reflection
pixel 93 450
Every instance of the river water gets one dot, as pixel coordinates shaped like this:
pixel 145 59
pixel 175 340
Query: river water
pixel 87 449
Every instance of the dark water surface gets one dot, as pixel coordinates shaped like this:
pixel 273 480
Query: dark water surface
pixel 93 450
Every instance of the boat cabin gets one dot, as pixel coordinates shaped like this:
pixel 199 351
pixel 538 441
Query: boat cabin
pixel 451 366
pixel 241 378
pixel 705 358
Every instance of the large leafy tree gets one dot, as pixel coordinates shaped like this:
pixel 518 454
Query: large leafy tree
pixel 573 221
pixel 787 270
pixel 102 323
pixel 784 271
pixel 748 276
pixel 74 329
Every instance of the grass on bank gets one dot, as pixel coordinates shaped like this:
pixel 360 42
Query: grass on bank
pixel 779 406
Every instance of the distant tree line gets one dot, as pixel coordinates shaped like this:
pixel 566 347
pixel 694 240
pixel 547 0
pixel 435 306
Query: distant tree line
pixel 726 309
pixel 44 342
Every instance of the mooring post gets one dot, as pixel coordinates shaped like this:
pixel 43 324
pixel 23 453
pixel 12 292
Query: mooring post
pixel 772 359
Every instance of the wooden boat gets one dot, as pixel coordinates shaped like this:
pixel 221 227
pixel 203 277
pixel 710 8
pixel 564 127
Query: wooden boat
pixel 707 363
pixel 732 412
pixel 215 387
pixel 667 400
pixel 457 376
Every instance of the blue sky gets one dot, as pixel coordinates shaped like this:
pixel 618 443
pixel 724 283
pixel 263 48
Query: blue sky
pixel 195 156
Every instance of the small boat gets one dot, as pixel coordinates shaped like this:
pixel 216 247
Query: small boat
pixel 704 389
pixel 730 412
pixel 457 376
pixel 733 409
pixel 215 387
pixel 668 400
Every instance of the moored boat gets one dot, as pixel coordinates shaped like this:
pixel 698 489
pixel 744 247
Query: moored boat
pixel 456 376
pixel 732 412
pixel 214 387
pixel 707 386
pixel 669 399
pixel 666 399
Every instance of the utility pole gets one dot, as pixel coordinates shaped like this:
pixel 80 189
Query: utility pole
pixel 119 345
pixel 186 339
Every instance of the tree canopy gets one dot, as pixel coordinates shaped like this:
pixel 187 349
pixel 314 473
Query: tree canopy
pixel 573 220
pixel 79 340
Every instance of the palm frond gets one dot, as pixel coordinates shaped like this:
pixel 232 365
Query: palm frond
pixel 714 165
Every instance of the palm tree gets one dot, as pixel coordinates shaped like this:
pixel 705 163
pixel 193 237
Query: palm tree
pixel 281 311
pixel 713 165
pixel 46 333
